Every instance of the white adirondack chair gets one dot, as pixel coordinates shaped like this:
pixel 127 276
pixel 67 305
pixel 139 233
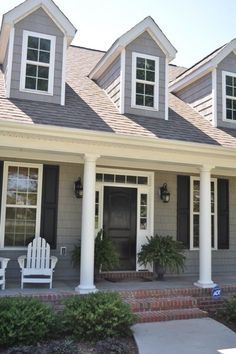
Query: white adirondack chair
pixel 38 265
pixel 3 265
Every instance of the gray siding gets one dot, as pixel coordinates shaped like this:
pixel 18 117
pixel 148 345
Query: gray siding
pixel 227 64
pixel 144 44
pixel 40 22
pixel 110 82
pixel 199 96
pixel 165 223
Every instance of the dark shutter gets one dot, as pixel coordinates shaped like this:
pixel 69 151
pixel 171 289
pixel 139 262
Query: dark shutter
pixel 183 210
pixel 1 178
pixel 49 204
pixel 223 213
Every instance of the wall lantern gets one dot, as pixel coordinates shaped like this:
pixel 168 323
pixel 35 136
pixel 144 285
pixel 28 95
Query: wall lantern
pixel 78 188
pixel 164 194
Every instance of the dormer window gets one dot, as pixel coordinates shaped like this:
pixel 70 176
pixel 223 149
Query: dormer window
pixel 229 95
pixel 37 64
pixel 145 74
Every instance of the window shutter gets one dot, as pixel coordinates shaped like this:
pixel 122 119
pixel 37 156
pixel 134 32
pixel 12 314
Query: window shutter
pixel 183 210
pixel 1 180
pixel 223 213
pixel 49 204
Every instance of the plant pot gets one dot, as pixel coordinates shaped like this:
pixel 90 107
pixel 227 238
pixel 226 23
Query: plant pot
pixel 159 271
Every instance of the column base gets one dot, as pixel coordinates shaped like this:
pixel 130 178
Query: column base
pixel 204 285
pixel 83 289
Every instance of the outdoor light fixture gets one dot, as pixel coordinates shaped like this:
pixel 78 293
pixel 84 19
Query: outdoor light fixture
pixel 164 194
pixel 78 188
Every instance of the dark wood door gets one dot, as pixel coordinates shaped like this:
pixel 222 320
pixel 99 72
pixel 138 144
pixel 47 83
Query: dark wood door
pixel 119 222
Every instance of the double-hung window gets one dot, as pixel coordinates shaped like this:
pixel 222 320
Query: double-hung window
pixel 229 95
pixel 21 204
pixel 145 69
pixel 195 213
pixel 37 63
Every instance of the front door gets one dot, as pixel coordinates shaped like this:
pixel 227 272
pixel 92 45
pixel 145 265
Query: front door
pixel 119 223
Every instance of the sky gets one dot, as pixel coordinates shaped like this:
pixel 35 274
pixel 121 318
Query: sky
pixel 195 28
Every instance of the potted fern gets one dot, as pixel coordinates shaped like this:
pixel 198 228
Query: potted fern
pixel 105 256
pixel 165 254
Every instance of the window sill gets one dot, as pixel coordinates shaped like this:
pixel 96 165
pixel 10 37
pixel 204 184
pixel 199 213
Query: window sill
pixel 45 93
pixel 146 108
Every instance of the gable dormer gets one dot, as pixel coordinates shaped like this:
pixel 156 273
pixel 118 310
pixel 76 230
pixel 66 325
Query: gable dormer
pixel 134 71
pixel 33 43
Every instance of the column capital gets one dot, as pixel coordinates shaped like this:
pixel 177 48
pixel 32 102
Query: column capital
pixel 206 168
pixel 91 157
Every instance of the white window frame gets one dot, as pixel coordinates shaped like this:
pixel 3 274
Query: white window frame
pixel 50 65
pixel 224 96
pixel 136 55
pixel 214 180
pixel 4 200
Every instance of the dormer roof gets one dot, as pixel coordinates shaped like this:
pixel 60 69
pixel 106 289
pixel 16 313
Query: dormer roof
pixel 207 64
pixel 19 12
pixel 149 25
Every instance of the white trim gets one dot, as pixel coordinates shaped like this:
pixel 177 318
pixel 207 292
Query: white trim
pixel 214 97
pixel 9 62
pixel 148 24
pixel 136 55
pixel 224 96
pixel 63 73
pixel 192 179
pixel 50 65
pixel 147 189
pixel 4 199
pixel 122 81
pixel 166 89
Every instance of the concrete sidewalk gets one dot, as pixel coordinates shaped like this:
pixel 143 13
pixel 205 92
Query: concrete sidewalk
pixel 195 336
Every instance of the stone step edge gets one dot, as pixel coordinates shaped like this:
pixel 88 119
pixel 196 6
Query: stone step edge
pixel 161 303
pixel 169 315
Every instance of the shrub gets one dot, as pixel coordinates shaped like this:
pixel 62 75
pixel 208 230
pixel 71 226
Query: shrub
pixel 23 320
pixel 230 309
pixel 97 316
pixel 111 345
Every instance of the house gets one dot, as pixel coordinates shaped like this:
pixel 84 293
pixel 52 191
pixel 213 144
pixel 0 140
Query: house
pixel 127 122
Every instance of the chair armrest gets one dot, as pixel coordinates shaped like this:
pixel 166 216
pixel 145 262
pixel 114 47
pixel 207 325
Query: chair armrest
pixel 4 262
pixel 21 261
pixel 53 261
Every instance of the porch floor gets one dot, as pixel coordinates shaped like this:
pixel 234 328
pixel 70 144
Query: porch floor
pixel 68 286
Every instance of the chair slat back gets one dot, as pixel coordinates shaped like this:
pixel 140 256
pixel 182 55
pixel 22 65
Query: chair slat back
pixel 38 254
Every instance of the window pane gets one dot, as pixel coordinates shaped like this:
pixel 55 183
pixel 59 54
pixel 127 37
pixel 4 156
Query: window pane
pixel 143 211
pixel 108 178
pixel 32 55
pixel 143 223
pixel 150 76
pixel 132 179
pixel 11 197
pixel 150 64
pixel 234 115
pixel 139 100
pixel 229 80
pixel 229 114
pixel 43 72
pixel 212 231
pixel 30 83
pixel 44 57
pixel 31 70
pixel 196 231
pixel 229 91
pixel 45 44
pixel 97 197
pixel 142 180
pixel 139 88
pixel 32 199
pixel 143 199
pixel 21 199
pixel 140 63
pixel 120 178
pixel 140 74
pixel 149 90
pixel 149 102
pixel 33 42
pixel 228 103
pixel 42 85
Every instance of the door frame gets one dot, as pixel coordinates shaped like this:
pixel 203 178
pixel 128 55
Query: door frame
pixel 141 189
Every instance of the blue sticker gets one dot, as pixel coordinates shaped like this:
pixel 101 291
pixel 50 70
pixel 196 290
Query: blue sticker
pixel 216 292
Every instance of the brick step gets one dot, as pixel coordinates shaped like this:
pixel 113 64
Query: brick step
pixel 167 303
pixel 169 315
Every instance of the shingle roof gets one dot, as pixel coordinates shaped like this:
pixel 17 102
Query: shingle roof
pixel 88 107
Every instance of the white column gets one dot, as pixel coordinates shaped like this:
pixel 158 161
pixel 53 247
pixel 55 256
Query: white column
pixel 205 274
pixel 87 228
